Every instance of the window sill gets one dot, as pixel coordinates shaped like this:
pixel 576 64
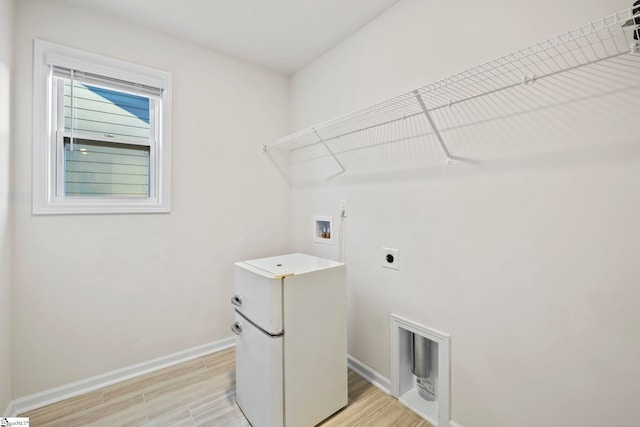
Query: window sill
pixel 96 207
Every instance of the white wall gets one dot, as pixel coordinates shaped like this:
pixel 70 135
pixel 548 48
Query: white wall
pixel 529 261
pixel 101 292
pixel 6 68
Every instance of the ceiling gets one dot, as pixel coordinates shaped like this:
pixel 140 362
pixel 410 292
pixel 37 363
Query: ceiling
pixel 283 35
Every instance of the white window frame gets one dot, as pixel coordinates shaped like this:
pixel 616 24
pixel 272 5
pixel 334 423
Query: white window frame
pixel 47 140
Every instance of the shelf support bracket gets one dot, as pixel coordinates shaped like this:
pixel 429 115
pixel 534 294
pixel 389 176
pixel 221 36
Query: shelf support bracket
pixel 321 141
pixel 265 151
pixel 433 125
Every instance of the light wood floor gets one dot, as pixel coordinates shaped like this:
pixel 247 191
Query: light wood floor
pixel 201 392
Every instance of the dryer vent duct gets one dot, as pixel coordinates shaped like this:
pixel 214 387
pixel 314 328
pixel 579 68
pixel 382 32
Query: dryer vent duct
pixel 421 367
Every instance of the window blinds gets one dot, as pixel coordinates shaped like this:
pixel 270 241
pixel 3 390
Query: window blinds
pixel 113 76
pixel 98 80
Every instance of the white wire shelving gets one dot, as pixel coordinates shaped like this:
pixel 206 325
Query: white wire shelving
pixel 599 54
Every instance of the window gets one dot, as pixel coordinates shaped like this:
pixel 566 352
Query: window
pixel 101 134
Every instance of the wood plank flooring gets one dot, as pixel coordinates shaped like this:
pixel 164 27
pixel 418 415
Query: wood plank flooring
pixel 201 393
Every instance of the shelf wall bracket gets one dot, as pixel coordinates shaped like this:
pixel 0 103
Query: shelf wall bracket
pixel 265 151
pixel 433 125
pixel 321 141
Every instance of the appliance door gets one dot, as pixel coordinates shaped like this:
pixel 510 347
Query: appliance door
pixel 259 298
pixel 259 375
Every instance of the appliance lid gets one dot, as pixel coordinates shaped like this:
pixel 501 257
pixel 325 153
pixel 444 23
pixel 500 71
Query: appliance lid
pixel 291 264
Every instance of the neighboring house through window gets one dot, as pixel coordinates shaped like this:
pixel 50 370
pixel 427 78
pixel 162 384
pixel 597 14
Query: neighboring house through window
pixel 101 134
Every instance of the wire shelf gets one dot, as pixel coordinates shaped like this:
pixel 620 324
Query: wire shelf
pixel 429 122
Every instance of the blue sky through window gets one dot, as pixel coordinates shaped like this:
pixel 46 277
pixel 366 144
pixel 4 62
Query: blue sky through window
pixel 135 105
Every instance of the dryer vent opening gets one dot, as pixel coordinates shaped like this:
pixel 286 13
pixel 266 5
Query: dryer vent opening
pixel 420 369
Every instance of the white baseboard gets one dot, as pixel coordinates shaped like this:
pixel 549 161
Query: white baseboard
pixel 57 394
pixel 9 411
pixel 369 374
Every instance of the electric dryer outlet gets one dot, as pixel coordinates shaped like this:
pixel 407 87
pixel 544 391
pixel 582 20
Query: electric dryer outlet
pixel 391 258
